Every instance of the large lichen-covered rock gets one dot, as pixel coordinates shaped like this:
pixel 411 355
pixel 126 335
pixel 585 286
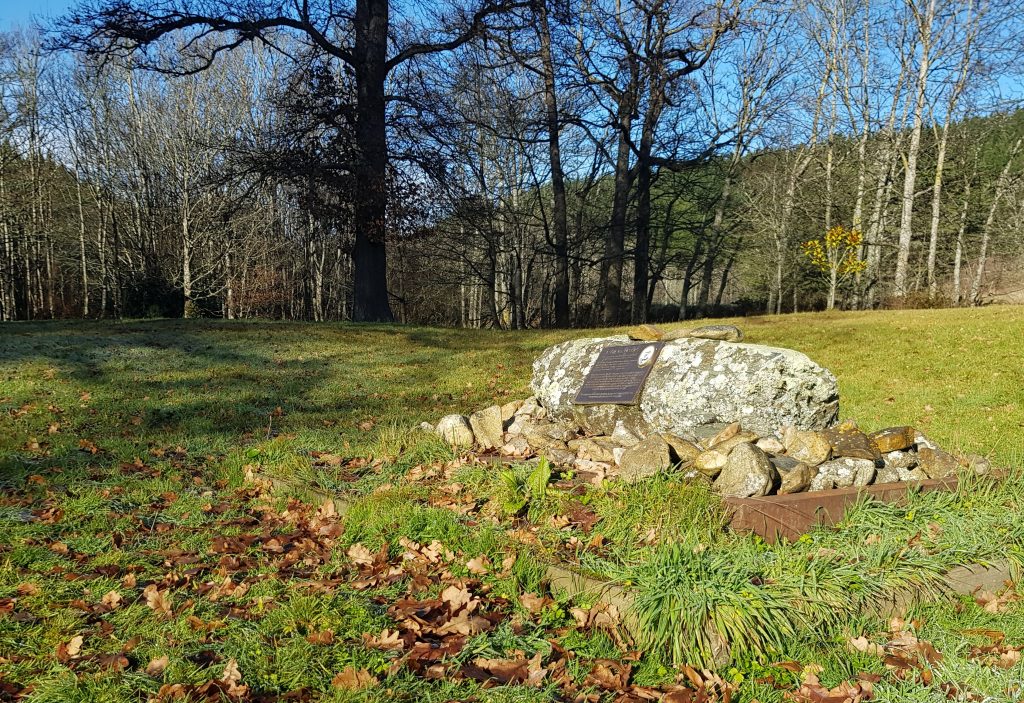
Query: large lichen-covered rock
pixel 693 383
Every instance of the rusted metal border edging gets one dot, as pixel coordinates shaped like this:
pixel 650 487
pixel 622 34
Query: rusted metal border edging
pixel 790 516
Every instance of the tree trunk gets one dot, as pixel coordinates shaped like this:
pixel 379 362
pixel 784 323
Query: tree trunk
pixel 933 237
pixel 615 243
pixel 779 253
pixel 910 170
pixel 7 264
pixel 788 204
pixel 830 157
pixel 229 286
pixel 369 256
pixel 560 216
pixel 873 241
pixel 642 255
pixel 725 278
pixel 81 248
pixel 958 256
pixel 717 235
pixel 189 309
pixel 115 262
pixel 48 248
pixel 706 278
pixel 488 314
pixel 691 266
pixel 518 311
pixel 986 232
pixel 101 252
pixel 858 203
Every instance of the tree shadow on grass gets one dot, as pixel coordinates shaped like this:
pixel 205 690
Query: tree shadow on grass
pixel 216 384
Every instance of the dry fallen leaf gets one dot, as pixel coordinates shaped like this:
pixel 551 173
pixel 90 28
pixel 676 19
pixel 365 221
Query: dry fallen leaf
pixel 509 671
pixel 1008 659
pixel 993 603
pixel 112 599
pixel 324 637
pixel 354 680
pixel 863 644
pixel 456 597
pixel 327 510
pixel 232 678
pixel 534 603
pixel 609 675
pixel 28 589
pixel 157 600
pixel 387 640
pixel 478 565
pixel 360 555
pixel 74 647
pixel 559 521
pixel 157 665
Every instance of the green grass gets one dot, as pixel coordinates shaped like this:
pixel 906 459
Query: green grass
pixel 132 442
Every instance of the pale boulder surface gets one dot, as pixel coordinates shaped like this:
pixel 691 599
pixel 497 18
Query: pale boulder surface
pixel 693 383
pixel 456 430
pixel 748 473
pixel 487 427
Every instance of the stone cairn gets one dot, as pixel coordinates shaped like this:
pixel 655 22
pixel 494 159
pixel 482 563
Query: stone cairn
pixel 752 420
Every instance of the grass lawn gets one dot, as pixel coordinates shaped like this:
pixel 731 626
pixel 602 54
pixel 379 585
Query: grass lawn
pixel 145 554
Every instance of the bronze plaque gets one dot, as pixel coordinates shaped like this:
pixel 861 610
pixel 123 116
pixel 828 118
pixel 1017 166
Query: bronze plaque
pixel 618 375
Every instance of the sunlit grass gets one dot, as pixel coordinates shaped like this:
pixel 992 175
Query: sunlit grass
pixel 216 400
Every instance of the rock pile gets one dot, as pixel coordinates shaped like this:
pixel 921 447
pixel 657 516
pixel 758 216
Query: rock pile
pixel 752 420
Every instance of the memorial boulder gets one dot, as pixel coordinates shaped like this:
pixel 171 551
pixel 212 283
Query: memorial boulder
pixel 690 383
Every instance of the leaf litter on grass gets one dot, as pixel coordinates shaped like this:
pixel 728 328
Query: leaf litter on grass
pixel 435 613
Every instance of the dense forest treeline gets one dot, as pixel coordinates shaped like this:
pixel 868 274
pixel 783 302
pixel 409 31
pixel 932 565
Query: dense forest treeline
pixel 510 164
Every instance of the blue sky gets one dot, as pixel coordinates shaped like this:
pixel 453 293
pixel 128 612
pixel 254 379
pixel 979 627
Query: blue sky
pixel 21 12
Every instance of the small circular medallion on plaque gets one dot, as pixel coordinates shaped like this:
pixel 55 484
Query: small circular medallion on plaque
pixel 646 356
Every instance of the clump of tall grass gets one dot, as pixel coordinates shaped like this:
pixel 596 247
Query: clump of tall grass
pixel 700 605
pixel 742 600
